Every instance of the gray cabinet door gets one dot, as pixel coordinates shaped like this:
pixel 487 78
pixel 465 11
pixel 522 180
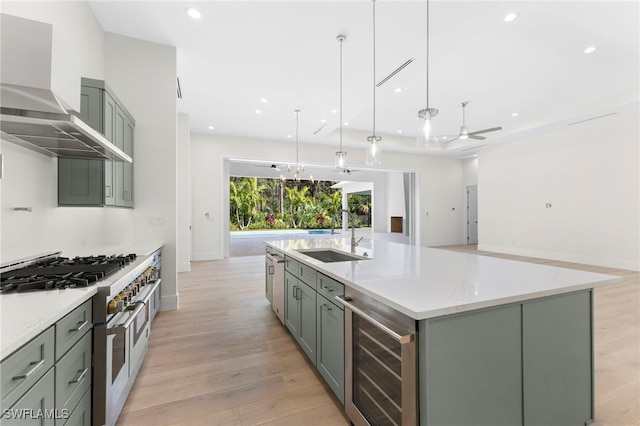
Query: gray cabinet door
pixel 123 176
pixel 80 182
pixel 558 361
pixel 307 304
pixel 330 347
pixel 291 309
pixel 109 131
pixel 471 368
pixel 38 399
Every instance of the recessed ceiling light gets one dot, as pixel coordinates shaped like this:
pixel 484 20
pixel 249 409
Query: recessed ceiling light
pixel 258 111
pixel 398 89
pixel 510 17
pixel 288 136
pixel 211 128
pixel 334 111
pixel 263 100
pixel 323 121
pixel 515 114
pixel 193 13
pixel 399 131
pixel 590 49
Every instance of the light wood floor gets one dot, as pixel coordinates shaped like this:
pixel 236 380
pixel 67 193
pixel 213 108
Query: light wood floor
pixel 223 358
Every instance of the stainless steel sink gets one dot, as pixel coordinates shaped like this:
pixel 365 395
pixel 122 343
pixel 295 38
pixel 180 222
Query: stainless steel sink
pixel 330 256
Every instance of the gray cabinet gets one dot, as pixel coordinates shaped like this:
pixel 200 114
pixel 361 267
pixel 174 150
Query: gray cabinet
pixel 93 182
pixel 528 363
pixel 330 344
pixel 300 313
pixel 48 380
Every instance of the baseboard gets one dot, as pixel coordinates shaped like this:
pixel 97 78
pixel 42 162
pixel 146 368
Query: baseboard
pixel 184 266
pixel 214 255
pixel 564 257
pixel 170 303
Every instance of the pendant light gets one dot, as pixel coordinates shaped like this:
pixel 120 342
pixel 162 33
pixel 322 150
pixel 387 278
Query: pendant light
pixel 340 155
pixel 374 152
pixel 426 116
pixel 299 169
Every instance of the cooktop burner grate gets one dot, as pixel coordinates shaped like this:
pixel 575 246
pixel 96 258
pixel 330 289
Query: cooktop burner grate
pixel 62 273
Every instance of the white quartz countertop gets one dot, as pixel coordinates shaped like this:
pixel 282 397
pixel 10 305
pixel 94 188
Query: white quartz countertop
pixel 25 315
pixel 424 282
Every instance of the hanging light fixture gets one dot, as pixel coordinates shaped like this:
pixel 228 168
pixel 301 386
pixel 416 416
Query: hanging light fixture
pixel 299 168
pixel 374 152
pixel 340 155
pixel 426 116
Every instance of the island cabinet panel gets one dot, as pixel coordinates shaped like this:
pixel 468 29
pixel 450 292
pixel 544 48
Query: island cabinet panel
pixel 330 346
pixel 558 362
pixel 470 368
pixel 291 311
pixel 528 363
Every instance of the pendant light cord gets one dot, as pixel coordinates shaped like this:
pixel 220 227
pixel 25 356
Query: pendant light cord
pixel 297 118
pixel 428 38
pixel 374 69
pixel 341 39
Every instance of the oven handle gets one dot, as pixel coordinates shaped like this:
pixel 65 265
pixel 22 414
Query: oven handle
pixel 408 338
pixel 121 328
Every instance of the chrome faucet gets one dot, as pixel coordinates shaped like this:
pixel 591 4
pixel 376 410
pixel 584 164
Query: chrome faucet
pixel 354 242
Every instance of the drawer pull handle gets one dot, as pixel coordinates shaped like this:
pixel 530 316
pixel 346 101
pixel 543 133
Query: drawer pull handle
pixel 81 375
pixel 78 327
pixel 326 287
pixel 36 365
pixel 326 307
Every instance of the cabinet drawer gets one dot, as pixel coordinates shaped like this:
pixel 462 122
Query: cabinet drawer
pixel 81 415
pixel 291 265
pixel 34 407
pixel 329 288
pixel 22 370
pixel 72 327
pixel 308 275
pixel 73 375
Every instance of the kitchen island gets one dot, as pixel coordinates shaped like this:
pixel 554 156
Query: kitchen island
pixel 497 341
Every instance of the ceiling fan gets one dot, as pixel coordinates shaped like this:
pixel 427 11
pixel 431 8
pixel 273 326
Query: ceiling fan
pixel 345 170
pixel 464 131
pixel 275 167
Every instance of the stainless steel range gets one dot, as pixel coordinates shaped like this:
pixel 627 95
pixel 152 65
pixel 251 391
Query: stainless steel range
pixel 122 312
pixel 128 297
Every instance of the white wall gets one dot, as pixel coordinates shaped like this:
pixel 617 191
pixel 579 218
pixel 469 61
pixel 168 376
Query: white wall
pixel 589 173
pixel 440 181
pixel 395 199
pixel 184 194
pixel 143 75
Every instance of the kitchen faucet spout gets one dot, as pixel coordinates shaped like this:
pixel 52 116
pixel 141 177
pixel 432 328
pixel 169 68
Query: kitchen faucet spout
pixel 354 242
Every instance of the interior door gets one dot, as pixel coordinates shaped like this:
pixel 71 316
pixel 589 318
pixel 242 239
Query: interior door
pixel 472 214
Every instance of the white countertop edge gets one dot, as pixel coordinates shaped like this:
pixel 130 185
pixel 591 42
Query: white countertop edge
pixel 438 312
pixel 30 328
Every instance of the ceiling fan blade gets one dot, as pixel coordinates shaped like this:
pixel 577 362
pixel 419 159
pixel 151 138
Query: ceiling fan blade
pixel 492 129
pixel 451 140
pixel 480 138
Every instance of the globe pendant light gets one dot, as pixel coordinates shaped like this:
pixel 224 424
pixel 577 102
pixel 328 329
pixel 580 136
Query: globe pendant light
pixel 374 153
pixel 341 155
pixel 426 116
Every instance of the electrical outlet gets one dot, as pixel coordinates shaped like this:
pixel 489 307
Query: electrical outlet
pixel 548 205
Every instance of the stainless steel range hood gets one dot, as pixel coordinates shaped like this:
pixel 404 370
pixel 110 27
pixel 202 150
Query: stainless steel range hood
pixel 31 115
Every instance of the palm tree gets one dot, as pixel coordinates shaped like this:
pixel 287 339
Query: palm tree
pixel 299 201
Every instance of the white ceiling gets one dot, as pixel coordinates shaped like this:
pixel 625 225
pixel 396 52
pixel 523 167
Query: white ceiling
pixel 286 52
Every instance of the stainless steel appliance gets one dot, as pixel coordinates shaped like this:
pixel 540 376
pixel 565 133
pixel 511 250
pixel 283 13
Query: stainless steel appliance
pixel 380 363
pixel 122 315
pixel 274 282
pixel 31 114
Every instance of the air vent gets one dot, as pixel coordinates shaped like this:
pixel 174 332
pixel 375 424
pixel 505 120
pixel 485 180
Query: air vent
pixel 179 90
pixel 394 72
pixel 592 118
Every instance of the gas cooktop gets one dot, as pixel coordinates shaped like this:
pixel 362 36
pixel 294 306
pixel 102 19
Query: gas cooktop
pixel 62 273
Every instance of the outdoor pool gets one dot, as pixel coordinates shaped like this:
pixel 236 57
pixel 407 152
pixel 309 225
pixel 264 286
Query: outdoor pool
pixel 278 233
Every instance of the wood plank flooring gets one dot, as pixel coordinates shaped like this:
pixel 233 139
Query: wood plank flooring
pixel 223 358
